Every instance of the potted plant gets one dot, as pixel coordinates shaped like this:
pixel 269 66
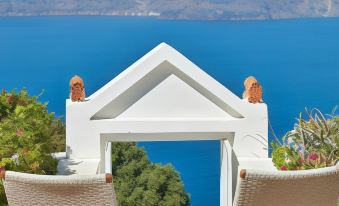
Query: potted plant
pixel 313 143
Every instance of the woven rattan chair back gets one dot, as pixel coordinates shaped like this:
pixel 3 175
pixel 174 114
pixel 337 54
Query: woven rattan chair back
pixel 29 189
pixel 317 187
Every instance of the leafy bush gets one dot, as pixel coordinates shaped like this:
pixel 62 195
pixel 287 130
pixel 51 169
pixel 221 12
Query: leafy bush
pixel 138 182
pixel 28 135
pixel 313 143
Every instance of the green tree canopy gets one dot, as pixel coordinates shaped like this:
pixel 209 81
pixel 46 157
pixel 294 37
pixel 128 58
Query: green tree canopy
pixel 138 182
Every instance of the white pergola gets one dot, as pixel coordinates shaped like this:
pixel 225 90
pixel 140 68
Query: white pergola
pixel 165 97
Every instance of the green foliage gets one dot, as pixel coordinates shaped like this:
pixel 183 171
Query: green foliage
pixel 138 182
pixel 3 200
pixel 313 143
pixel 28 135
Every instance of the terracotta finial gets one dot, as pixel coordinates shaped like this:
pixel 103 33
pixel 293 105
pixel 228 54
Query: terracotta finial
pixel 253 90
pixel 77 89
pixel 109 178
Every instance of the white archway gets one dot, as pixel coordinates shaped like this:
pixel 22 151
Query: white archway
pixel 164 96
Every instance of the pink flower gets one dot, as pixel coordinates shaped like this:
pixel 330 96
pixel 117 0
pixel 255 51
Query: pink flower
pixel 313 156
pixel 2 169
pixel 284 167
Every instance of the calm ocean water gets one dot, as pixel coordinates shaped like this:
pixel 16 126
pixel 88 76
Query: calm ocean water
pixel 297 62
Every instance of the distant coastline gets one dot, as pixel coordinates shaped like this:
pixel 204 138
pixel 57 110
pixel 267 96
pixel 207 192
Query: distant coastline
pixel 83 13
pixel 169 19
pixel 176 9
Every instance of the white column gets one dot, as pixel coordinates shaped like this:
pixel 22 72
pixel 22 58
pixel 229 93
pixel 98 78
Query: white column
pixel 108 158
pixel 225 173
pixel 103 154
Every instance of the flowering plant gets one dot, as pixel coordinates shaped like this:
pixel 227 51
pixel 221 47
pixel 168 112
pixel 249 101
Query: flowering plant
pixel 28 135
pixel 314 143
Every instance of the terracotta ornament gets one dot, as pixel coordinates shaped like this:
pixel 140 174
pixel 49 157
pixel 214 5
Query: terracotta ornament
pixel 77 89
pixel 253 90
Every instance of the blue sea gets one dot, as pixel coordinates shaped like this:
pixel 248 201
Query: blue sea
pixel 296 61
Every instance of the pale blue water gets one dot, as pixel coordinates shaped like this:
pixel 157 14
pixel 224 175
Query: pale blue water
pixel 297 62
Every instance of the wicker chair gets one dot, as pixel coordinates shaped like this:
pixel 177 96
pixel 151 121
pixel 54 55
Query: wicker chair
pixel 29 189
pixel 317 187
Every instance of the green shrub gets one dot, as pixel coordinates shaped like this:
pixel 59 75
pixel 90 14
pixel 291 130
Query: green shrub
pixel 28 135
pixel 138 182
pixel 313 143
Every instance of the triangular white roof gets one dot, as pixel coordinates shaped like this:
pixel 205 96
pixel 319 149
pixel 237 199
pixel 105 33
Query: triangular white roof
pixel 165 84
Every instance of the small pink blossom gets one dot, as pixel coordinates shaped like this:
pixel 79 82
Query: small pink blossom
pixel 284 167
pixel 2 169
pixel 313 156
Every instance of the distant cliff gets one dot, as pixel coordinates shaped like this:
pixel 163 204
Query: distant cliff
pixel 175 9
